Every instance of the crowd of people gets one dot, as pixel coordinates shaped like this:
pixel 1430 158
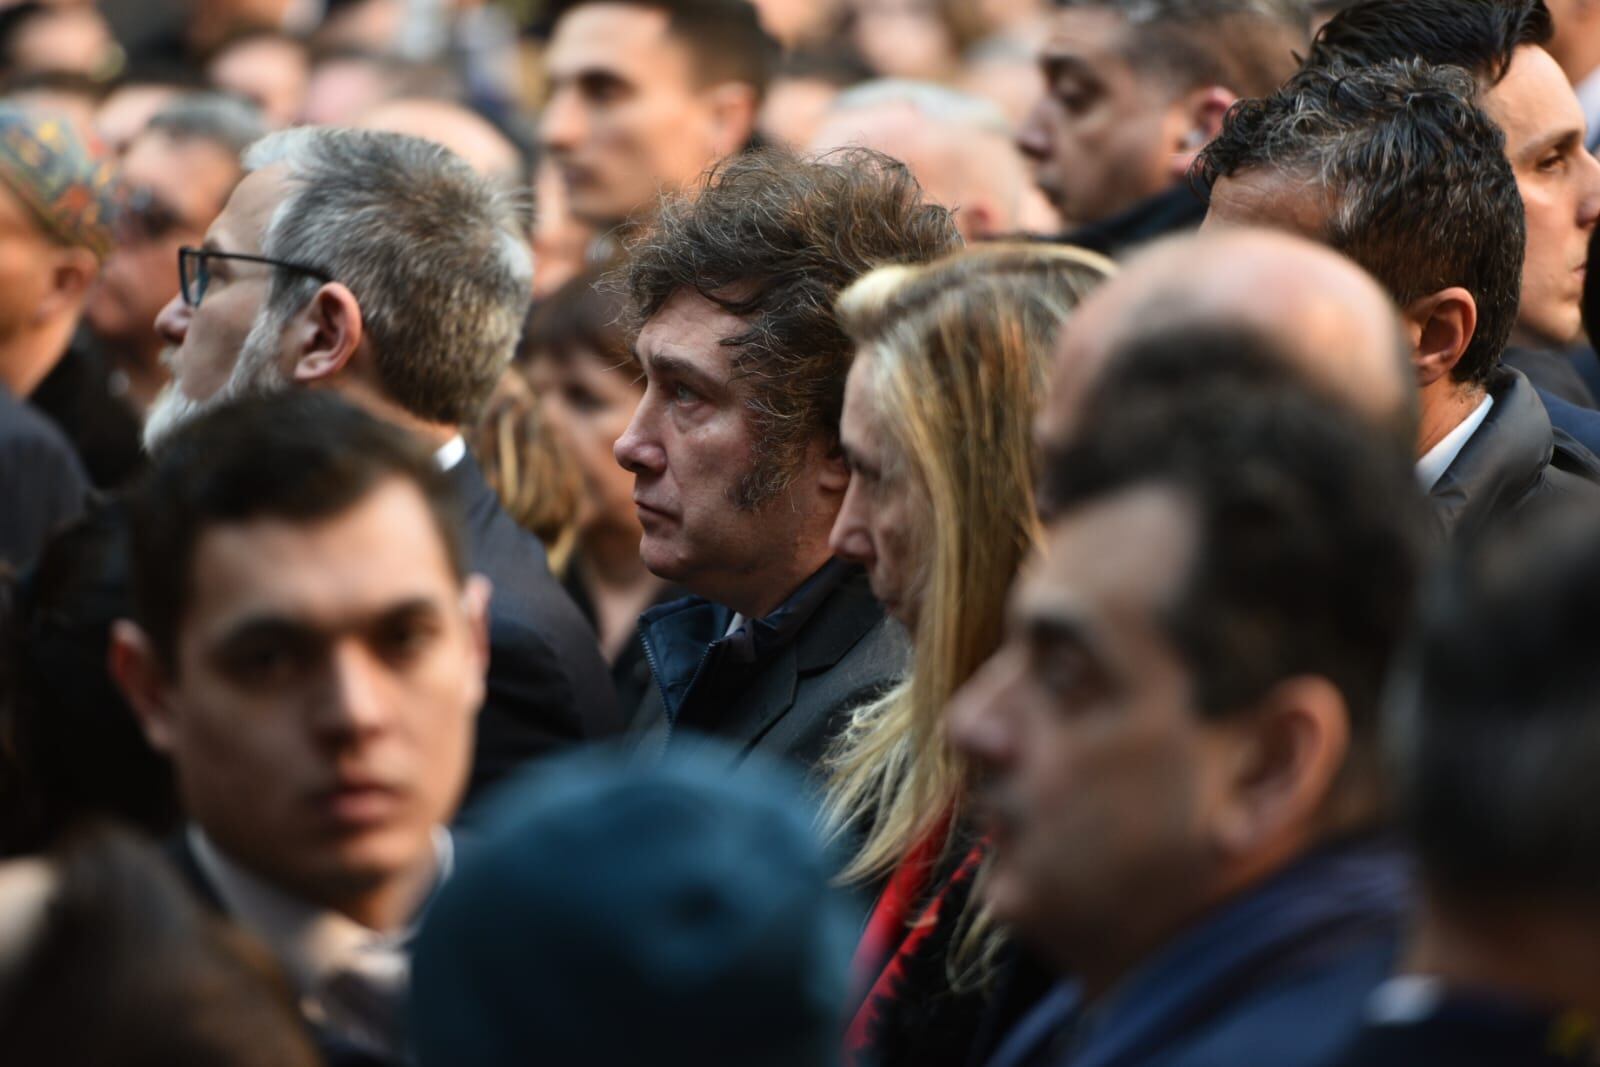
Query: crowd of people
pixel 799 533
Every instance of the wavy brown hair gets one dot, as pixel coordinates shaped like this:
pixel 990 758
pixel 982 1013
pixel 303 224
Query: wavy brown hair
pixel 774 239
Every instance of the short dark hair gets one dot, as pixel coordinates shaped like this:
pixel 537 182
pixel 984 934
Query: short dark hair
pixel 725 37
pixel 1415 176
pixel 1308 533
pixel 1249 46
pixel 1480 36
pixel 774 239
pixel 1495 721
pixel 299 455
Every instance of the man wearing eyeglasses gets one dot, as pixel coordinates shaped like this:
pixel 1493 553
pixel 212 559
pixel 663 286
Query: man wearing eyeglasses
pixel 381 267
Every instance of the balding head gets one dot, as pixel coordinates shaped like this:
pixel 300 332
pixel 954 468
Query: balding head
pixel 461 130
pixel 1313 306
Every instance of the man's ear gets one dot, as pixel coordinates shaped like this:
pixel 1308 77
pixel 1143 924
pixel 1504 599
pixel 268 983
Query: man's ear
pixel 834 473
pixel 475 597
pixel 1200 114
pixel 72 271
pixel 138 672
pixel 733 116
pixel 1285 759
pixel 326 334
pixel 1441 326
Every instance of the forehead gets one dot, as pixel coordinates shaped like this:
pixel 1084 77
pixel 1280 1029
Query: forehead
pixel 1120 558
pixel 244 220
pixel 384 549
pixel 688 328
pixel 858 425
pixel 1088 37
pixel 169 163
pixel 628 40
pixel 1534 100
pixel 1271 199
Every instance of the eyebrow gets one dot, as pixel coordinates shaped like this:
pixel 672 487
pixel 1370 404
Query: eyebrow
pixel 677 366
pixel 1569 138
pixel 268 624
pixel 1056 64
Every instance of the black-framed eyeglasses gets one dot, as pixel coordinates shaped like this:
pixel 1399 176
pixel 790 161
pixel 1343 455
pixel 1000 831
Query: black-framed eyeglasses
pixel 194 273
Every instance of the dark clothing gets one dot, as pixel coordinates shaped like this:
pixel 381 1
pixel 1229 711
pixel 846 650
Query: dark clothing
pixel 1425 1025
pixel 106 431
pixel 1580 424
pixel 781 684
pixel 1552 373
pixel 42 484
pixel 1279 976
pixel 548 686
pixel 1514 461
pixel 630 671
pixel 1178 210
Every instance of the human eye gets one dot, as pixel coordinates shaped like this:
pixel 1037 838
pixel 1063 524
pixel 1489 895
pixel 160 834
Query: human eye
pixel 266 662
pixel 403 640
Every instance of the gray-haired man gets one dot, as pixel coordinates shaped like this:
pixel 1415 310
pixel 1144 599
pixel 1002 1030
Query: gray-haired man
pixel 382 267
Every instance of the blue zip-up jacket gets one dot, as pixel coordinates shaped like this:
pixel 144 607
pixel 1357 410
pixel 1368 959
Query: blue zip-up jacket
pixel 1277 977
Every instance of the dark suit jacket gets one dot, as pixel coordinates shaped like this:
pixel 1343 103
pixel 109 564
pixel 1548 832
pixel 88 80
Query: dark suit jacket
pixel 782 685
pixel 548 685
pixel 42 484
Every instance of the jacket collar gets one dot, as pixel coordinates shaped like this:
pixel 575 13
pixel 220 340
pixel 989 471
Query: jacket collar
pixel 1501 463
pixel 1173 211
pixel 687 640
pixel 1346 890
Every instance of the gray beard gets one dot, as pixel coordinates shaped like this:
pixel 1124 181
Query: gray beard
pixel 254 373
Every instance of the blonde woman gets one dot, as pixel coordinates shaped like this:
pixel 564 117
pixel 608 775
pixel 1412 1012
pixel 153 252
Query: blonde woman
pixel 950 364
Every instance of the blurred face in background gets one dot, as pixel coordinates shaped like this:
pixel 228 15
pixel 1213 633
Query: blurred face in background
pixel 271 72
pixel 904 38
pixel 627 117
pixel 176 188
pixel 589 404
pixel 1104 135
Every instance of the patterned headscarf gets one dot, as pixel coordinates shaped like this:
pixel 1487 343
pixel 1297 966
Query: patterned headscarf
pixel 51 170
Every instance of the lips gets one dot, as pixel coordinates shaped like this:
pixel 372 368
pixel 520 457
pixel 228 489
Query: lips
pixel 650 510
pixel 357 803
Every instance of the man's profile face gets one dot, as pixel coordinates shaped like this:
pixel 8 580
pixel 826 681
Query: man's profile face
pixel 625 120
pixel 179 187
pixel 1100 773
pixel 320 710
pixel 1102 137
pixel 691 449
pixel 1560 185
pixel 211 351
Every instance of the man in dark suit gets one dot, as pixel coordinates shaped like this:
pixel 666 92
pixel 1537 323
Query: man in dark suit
pixel 381 267
pixel 55 223
pixel 1496 749
pixel 735 445
pixel 308 647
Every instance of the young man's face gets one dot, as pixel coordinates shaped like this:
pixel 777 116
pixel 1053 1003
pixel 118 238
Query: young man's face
pixel 1104 135
pixel 627 118
pixel 1560 185
pixel 693 452
pixel 1101 776
pixel 320 709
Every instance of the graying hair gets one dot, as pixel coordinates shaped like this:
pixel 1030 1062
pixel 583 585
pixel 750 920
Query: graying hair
pixel 936 103
pixel 216 118
pixel 432 252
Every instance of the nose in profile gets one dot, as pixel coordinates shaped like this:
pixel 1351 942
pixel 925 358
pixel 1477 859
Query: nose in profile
pixel 851 538
pixel 173 321
pixel 639 449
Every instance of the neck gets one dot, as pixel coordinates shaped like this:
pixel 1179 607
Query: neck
pixel 363 395
pixel 1543 952
pixel 757 600
pixel 28 356
pixel 1445 405
pixel 393 905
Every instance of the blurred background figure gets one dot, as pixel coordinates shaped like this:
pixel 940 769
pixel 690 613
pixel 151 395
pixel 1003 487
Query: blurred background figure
pixel 645 95
pixel 803 88
pixel 1133 92
pixel 615 913
pixel 58 38
pixel 1576 46
pixel 938 430
pixel 133 100
pixel 1493 737
pixel 959 147
pixel 916 39
pixel 57 218
pixel 270 69
pixel 105 961
pixel 465 132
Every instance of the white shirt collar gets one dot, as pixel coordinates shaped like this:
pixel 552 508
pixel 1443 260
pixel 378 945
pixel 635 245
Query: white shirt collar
pixel 310 941
pixel 451 452
pixel 1431 467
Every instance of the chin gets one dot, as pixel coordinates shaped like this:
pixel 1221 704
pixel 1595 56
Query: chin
pixel 661 560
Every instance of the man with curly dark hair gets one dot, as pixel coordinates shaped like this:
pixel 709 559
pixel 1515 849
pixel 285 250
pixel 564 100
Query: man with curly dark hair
pixel 734 447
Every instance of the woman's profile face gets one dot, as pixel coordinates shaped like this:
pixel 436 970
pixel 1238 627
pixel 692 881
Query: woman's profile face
pixel 878 523
pixel 589 403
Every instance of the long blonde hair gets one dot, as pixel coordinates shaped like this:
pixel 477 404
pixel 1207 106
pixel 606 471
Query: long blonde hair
pixel 958 351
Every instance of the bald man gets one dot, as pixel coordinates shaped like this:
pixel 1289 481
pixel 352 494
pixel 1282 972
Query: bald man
pixel 959 147
pixel 1314 307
